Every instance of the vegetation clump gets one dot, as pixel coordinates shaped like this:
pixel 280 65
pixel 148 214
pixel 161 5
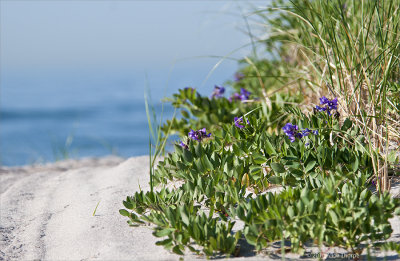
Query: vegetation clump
pixel 270 133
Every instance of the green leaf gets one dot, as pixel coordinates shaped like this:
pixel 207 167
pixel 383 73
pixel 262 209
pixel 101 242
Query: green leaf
pixel 252 240
pixel 255 170
pixel 185 114
pixel 355 164
pixel 127 204
pixel 164 242
pixel 187 156
pixel 134 217
pixel 197 113
pixel 185 218
pixel 275 180
pixel 346 124
pixel 176 249
pixel 290 180
pixel 196 232
pixel 207 163
pixel 334 217
pixel 199 165
pixel 300 207
pixel 278 167
pixel 259 158
pixel 310 166
pixel 269 148
pixel 290 212
pixel 391 246
pixel 192 249
pixel 296 172
pixel 213 242
pixel 245 180
pixel 313 175
pixel 198 149
pixel 236 149
pixel 163 232
pixel 124 212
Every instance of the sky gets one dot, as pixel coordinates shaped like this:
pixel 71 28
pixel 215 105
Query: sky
pixel 117 34
pixel 42 42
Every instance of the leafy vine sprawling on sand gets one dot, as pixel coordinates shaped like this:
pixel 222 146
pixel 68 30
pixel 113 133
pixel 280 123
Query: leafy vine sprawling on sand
pixel 320 119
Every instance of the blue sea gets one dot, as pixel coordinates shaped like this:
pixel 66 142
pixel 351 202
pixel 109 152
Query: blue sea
pixel 48 115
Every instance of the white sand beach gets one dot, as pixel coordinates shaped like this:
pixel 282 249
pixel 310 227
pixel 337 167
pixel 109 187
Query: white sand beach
pixel 47 213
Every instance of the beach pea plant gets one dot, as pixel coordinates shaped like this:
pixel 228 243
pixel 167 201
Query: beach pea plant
pixel 340 213
pixel 314 120
pixel 197 111
pixel 224 176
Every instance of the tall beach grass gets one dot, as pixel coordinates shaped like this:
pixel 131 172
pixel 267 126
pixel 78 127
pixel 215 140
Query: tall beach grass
pixel 349 50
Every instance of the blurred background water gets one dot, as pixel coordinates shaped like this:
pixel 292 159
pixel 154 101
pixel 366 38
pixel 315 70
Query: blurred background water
pixel 73 74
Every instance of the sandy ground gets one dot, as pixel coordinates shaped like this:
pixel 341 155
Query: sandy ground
pixel 47 213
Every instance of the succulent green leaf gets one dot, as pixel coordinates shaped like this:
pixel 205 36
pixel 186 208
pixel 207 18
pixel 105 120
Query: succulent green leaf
pixel 187 156
pixel 124 212
pixel 163 232
pixel 278 167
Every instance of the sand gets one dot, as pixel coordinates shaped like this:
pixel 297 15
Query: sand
pixel 47 213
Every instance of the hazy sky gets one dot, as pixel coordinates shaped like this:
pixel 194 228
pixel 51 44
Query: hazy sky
pixel 117 34
pixel 74 52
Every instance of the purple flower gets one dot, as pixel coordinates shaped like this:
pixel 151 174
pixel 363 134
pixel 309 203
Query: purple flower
pixel 320 108
pixel 323 100
pixel 290 127
pixel 193 135
pixel 183 145
pixel 204 133
pixel 292 131
pixel 375 180
pixel 333 104
pixel 189 88
pixel 305 132
pixel 238 121
pixel 199 134
pixel 218 92
pixel 235 97
pixel 243 95
pixel 329 105
pixel 239 76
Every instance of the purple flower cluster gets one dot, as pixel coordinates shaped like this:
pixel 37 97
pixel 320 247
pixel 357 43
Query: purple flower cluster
pixel 329 105
pixel 199 134
pixel 375 180
pixel 189 88
pixel 243 95
pixel 292 131
pixel 183 145
pixel 218 92
pixel 239 76
pixel 238 121
pixel 195 135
